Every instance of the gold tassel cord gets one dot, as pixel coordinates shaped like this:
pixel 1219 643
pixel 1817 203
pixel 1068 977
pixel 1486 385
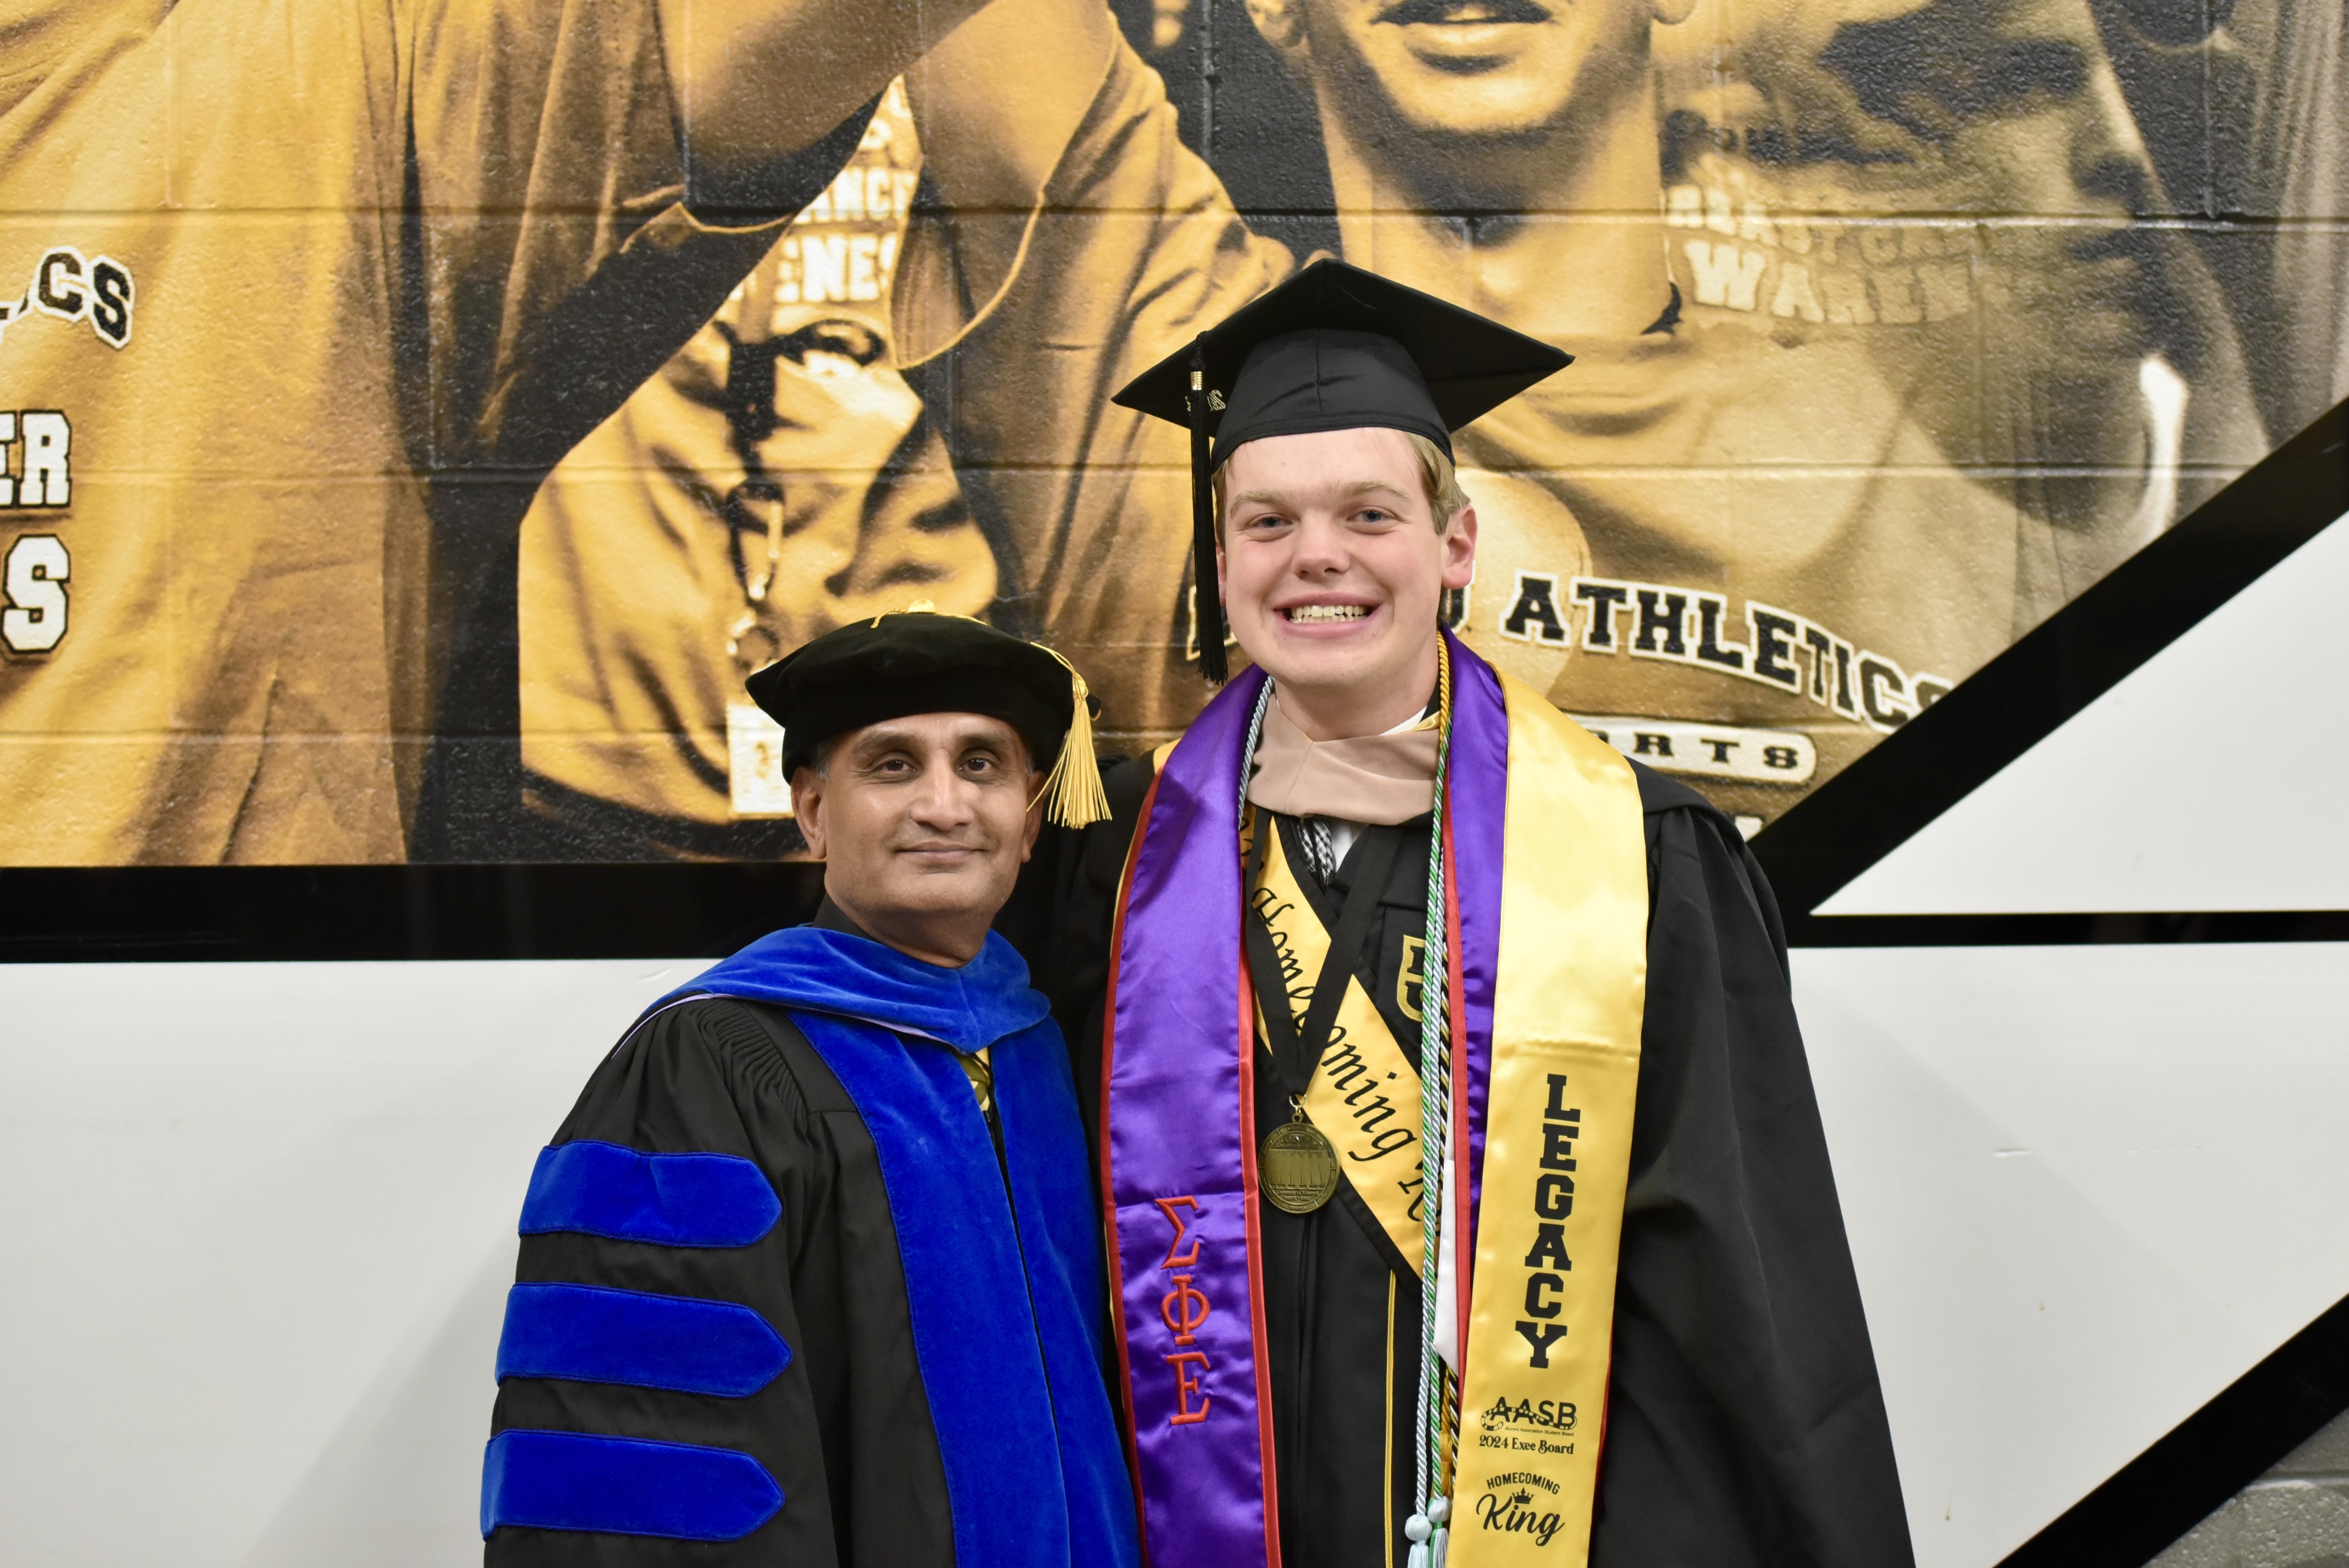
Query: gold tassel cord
pixel 1074 785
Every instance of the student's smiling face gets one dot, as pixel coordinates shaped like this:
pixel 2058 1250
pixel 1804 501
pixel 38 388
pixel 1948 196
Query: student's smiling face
pixel 1333 572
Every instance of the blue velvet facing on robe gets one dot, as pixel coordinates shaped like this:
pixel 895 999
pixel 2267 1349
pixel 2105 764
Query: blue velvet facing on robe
pixel 667 1200
pixel 811 970
pixel 624 1486
pixel 1007 1326
pixel 593 1335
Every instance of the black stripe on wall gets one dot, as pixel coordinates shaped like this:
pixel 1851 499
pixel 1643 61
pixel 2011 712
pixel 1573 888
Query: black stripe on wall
pixel 2064 930
pixel 246 913
pixel 2207 1458
pixel 294 914
pixel 2077 654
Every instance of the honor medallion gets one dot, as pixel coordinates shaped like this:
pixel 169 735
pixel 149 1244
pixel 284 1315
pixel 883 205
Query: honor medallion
pixel 1297 1167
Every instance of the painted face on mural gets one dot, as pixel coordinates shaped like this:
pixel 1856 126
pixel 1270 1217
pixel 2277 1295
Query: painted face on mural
pixel 2013 107
pixel 1455 69
pixel 1932 123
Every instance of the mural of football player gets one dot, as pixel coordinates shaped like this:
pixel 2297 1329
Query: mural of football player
pixel 1876 365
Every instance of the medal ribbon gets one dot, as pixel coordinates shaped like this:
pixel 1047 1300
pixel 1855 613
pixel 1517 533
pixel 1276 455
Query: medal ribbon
pixel 1365 1097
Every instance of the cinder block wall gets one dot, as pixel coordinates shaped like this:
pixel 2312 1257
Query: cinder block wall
pixel 2295 1516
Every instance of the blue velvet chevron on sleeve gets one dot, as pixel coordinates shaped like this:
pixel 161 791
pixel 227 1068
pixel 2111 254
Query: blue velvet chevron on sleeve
pixel 667 1200
pixel 624 1486
pixel 590 1333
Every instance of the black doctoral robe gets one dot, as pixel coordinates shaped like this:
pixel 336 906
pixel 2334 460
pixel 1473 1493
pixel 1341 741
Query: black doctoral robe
pixel 1744 1423
pixel 846 1427
pixel 764 1262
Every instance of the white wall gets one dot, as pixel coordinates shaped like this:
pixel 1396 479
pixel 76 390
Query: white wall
pixel 2209 779
pixel 2087 1189
pixel 258 1221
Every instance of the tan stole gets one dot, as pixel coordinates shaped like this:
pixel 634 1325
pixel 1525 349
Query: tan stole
pixel 1569 999
pixel 1386 779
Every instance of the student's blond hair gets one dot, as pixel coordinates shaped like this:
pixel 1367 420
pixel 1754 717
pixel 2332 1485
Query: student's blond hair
pixel 1437 473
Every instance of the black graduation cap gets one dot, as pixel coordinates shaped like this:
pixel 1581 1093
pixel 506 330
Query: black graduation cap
pixel 1333 348
pixel 920 661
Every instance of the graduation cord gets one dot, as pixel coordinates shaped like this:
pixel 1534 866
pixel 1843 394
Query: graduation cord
pixel 1425 1529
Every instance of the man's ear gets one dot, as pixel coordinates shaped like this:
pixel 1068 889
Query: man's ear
pixel 807 809
pixel 1282 23
pixel 1460 548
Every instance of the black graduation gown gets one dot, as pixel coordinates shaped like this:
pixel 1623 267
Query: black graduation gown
pixel 845 1430
pixel 1745 1422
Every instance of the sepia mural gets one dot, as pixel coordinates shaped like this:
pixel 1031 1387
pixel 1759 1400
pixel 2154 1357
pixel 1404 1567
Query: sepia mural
pixel 1896 325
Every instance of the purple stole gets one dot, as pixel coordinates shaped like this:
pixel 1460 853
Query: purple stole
pixel 1178 1122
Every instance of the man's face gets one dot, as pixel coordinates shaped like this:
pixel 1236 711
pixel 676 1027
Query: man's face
pixel 1472 68
pixel 2011 107
pixel 2009 110
pixel 920 819
pixel 1333 569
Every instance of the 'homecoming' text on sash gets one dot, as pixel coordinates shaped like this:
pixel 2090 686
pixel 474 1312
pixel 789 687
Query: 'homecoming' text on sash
pixel 1365 1095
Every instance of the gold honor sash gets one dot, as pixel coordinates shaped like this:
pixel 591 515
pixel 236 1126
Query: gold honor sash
pixel 1365 1095
pixel 1567 1009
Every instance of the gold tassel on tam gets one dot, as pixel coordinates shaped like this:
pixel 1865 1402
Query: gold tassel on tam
pixel 1074 785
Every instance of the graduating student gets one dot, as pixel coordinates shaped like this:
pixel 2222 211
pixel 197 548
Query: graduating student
pixel 1384 924
pixel 811 1274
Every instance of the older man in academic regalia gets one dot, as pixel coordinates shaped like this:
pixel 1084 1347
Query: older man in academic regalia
pixel 1383 926
pixel 811 1274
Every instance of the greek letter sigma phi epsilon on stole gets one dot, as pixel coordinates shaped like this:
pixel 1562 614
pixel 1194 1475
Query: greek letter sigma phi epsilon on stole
pixel 1546 906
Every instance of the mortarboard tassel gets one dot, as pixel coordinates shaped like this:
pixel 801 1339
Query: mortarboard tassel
pixel 1207 606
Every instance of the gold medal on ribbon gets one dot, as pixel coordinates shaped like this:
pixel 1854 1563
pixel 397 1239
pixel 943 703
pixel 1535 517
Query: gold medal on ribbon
pixel 1364 1090
pixel 1297 1167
